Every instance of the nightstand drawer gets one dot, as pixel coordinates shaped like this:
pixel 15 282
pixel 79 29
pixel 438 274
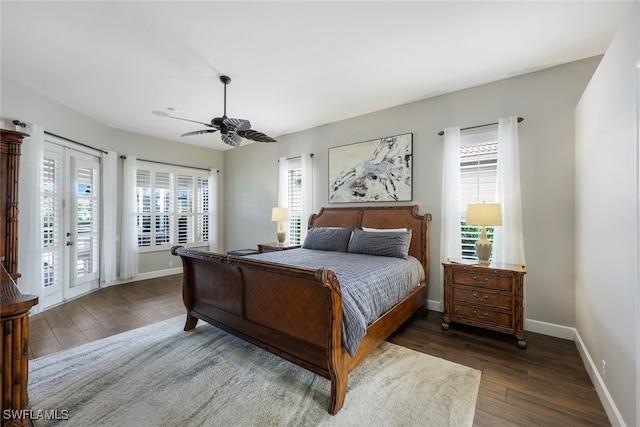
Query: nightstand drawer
pixel 482 314
pixel 483 296
pixel 476 278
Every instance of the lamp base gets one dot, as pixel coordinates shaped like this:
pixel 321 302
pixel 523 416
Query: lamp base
pixel 281 236
pixel 483 251
pixel 483 248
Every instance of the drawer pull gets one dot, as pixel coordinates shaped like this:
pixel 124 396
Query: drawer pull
pixel 482 316
pixel 480 298
pixel 486 279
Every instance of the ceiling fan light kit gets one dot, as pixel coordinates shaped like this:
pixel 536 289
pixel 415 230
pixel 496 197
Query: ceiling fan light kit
pixel 231 130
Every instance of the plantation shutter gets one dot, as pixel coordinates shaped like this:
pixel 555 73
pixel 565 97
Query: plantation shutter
pixel 143 206
pixel 202 210
pixel 163 208
pixel 294 194
pixel 185 209
pixel 51 197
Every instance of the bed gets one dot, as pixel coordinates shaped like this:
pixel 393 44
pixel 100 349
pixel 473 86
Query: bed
pixel 297 312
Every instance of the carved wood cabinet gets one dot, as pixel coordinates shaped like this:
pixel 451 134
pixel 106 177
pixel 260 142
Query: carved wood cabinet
pixel 486 296
pixel 15 307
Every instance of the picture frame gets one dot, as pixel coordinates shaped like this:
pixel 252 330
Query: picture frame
pixel 379 170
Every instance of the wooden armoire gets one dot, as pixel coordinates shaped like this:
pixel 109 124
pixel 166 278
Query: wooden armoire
pixel 14 313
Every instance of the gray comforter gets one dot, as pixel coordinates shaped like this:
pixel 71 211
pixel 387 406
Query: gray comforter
pixel 370 285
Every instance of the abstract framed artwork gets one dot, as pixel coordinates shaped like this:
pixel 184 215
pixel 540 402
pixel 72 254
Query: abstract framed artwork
pixel 380 170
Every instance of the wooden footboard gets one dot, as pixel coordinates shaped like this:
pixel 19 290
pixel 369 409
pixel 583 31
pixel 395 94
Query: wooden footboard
pixel 292 312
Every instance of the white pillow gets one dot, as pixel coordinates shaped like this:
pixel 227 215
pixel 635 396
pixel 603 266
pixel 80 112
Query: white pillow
pixel 382 230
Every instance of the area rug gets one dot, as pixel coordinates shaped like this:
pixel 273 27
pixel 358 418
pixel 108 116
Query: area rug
pixel 160 375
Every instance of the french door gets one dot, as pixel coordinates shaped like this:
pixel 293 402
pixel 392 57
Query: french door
pixel 70 201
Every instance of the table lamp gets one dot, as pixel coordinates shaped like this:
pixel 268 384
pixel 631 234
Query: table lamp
pixel 280 215
pixel 484 214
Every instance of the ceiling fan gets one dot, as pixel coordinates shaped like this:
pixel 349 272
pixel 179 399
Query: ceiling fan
pixel 231 130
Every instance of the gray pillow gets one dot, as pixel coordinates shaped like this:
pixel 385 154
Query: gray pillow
pixel 327 239
pixel 381 243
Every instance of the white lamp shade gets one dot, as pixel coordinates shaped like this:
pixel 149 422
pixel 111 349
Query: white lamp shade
pixel 279 214
pixel 484 214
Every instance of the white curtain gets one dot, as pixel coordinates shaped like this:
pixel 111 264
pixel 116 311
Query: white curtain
pixel 450 239
pixel 307 193
pixel 213 211
pixel 508 241
pixel 129 237
pixel 108 262
pixel 283 196
pixel 283 175
pixel 30 217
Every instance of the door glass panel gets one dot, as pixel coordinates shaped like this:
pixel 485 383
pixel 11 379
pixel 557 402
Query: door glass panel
pixel 85 244
pixel 51 200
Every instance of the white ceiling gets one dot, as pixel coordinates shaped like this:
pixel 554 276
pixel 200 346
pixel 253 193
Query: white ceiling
pixel 293 65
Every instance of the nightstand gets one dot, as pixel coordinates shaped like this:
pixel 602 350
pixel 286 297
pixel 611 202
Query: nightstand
pixel 487 296
pixel 272 247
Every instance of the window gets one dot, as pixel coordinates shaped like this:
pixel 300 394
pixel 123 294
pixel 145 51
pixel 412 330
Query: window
pixel 478 171
pixel 294 200
pixel 295 192
pixel 172 206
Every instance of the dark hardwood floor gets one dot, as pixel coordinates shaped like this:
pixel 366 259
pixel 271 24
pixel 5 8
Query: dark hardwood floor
pixel 544 385
pixel 105 312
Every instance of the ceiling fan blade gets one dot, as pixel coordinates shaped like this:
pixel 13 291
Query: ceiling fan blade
pixel 236 138
pixel 199 132
pixel 238 124
pixel 193 121
pixel 232 139
pixel 254 135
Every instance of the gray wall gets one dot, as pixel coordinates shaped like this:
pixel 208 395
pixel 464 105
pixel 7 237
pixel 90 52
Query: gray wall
pixel 27 105
pixel 546 99
pixel 607 285
pixel 251 190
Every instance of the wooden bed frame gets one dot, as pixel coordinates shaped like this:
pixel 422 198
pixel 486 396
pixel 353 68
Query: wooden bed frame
pixel 293 312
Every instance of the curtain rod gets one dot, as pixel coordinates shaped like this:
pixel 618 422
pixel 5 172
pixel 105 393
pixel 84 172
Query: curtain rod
pixel 171 164
pixel 297 157
pixel 122 157
pixel 76 142
pixel 520 119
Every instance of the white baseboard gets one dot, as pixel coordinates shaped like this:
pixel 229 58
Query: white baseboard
pixel 152 275
pixel 434 305
pixel 615 418
pixel 551 329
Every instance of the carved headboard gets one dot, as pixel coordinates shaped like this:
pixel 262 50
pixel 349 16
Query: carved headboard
pixel 382 217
